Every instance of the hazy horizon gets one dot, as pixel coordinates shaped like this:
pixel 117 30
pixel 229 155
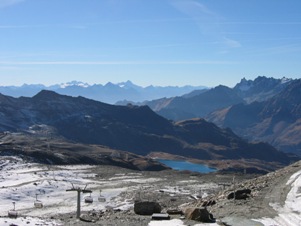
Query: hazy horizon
pixel 120 82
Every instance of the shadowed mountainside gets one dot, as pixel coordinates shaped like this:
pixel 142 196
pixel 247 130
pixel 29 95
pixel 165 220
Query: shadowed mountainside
pixel 43 146
pixel 276 120
pixel 129 128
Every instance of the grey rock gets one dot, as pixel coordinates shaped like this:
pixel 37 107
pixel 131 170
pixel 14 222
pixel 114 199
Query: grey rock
pixel 198 214
pixel 147 208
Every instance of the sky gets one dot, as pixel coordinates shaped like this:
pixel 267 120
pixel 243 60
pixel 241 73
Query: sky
pixel 158 42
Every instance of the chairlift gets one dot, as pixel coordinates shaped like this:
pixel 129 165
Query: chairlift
pixel 101 198
pixel 89 199
pixel 38 203
pixel 13 213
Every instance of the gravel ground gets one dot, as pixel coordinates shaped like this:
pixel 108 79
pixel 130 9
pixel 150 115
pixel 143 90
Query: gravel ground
pixel 267 189
pixel 175 190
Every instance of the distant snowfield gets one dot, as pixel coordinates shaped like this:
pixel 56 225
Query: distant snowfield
pixel 290 213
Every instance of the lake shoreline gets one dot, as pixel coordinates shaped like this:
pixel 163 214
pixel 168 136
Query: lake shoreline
pixel 183 165
pixel 239 166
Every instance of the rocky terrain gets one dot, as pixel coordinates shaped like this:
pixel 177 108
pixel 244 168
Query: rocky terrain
pixel 21 180
pixel 273 199
pixel 269 201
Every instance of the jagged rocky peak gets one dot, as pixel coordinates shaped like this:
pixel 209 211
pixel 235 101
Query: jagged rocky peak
pixel 244 84
pixel 266 83
pixel 260 89
pixel 260 83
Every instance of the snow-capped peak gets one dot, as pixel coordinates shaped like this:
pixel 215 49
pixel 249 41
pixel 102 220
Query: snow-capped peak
pixel 285 80
pixel 74 83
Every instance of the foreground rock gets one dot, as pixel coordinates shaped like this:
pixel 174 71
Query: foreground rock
pixel 240 194
pixel 198 214
pixel 147 208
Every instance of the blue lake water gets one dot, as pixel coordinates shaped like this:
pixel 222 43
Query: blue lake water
pixel 184 165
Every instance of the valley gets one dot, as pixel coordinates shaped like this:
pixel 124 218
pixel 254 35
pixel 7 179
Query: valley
pixel 150 113
pixel 52 143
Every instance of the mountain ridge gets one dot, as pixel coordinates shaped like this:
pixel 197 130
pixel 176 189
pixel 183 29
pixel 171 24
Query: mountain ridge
pixel 136 129
pixel 200 103
pixel 276 120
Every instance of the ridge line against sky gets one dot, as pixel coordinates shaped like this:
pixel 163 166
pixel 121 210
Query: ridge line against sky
pixel 159 42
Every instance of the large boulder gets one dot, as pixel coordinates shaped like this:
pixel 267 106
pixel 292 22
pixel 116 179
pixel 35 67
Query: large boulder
pixel 240 194
pixel 198 214
pixel 147 208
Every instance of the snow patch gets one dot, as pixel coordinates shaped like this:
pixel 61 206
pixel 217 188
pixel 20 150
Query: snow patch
pixel 30 221
pixel 290 213
pixel 177 222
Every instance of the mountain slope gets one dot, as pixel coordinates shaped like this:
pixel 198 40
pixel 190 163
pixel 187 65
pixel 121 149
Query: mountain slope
pixel 128 128
pixel 43 146
pixel 277 120
pixel 198 104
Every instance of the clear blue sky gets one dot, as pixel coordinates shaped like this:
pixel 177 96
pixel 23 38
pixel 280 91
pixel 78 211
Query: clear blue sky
pixel 159 42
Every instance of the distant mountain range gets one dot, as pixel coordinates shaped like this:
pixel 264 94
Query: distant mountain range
pixel 200 103
pixel 129 128
pixel 108 93
pixel 264 109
